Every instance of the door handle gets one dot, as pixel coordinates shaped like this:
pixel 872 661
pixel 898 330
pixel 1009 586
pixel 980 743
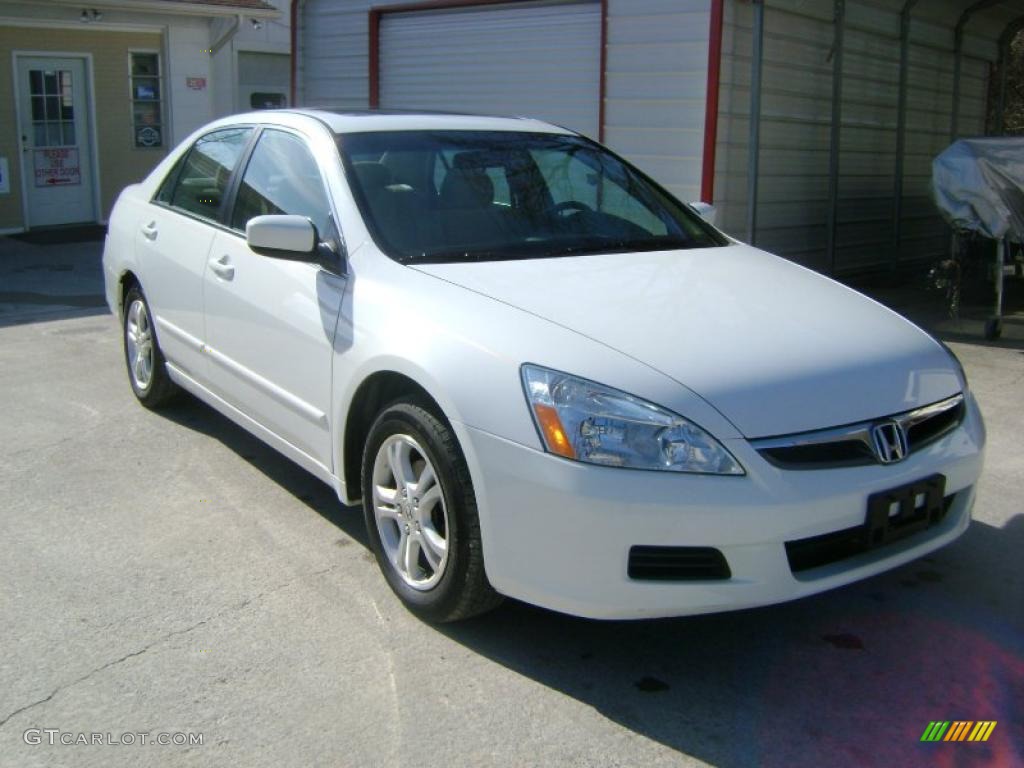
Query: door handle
pixel 149 231
pixel 222 267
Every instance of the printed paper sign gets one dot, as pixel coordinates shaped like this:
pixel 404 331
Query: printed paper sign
pixel 56 167
pixel 196 83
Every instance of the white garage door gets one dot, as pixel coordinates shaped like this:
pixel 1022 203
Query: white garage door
pixel 537 60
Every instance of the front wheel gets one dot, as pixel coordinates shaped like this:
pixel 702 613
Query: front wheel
pixel 421 515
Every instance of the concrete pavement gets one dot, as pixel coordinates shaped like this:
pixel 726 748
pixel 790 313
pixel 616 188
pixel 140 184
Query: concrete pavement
pixel 167 573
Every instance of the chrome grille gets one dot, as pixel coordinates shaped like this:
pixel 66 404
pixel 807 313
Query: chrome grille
pixel 852 445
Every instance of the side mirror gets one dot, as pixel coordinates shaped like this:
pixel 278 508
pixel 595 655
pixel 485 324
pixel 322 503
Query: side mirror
pixel 282 237
pixel 705 210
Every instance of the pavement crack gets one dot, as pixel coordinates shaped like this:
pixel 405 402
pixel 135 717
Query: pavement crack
pixel 101 668
pixel 162 639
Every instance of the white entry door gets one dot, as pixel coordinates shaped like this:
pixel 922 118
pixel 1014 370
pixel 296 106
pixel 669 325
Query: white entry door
pixel 56 150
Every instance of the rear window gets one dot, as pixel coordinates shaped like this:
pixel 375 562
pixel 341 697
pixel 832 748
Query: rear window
pixel 201 182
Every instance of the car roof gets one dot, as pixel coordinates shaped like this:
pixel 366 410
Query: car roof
pixel 352 121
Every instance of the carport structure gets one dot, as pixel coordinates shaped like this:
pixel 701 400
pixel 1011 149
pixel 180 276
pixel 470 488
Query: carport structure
pixel 976 46
pixel 850 99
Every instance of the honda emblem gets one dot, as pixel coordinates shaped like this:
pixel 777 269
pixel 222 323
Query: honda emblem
pixel 890 441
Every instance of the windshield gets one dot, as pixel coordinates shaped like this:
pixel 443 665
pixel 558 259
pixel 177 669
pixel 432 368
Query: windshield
pixel 436 196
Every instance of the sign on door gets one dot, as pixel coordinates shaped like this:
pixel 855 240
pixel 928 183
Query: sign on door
pixel 56 167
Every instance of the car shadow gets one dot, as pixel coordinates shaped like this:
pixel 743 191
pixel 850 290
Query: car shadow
pixel 197 416
pixel 849 677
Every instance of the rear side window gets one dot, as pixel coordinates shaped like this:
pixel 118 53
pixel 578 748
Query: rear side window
pixel 282 178
pixel 203 181
pixel 166 193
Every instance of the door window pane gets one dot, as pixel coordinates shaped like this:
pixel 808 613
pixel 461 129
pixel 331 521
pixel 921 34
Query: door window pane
pixel 52 100
pixel 67 107
pixel 203 181
pixel 282 177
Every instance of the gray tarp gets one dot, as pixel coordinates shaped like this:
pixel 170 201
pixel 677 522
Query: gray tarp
pixel 978 184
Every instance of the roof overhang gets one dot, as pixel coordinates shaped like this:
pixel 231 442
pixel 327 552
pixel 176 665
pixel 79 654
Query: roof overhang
pixel 174 8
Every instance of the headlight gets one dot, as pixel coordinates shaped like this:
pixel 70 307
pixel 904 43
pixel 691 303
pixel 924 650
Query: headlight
pixel 588 422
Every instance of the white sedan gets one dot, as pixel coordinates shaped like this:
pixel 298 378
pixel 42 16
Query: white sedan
pixel 542 375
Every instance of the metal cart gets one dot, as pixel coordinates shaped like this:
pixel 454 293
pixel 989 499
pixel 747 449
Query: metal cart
pixel 978 184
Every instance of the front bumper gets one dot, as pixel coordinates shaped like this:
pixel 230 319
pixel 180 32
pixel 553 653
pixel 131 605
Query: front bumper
pixel 557 533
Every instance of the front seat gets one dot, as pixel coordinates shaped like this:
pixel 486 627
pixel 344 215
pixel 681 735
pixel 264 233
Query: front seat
pixel 466 202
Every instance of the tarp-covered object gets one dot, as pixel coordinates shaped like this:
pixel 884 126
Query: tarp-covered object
pixel 978 185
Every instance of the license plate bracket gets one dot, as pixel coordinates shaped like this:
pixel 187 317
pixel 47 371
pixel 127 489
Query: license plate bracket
pixel 903 511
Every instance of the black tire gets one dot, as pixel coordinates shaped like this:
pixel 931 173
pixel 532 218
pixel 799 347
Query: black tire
pixel 158 389
pixel 463 589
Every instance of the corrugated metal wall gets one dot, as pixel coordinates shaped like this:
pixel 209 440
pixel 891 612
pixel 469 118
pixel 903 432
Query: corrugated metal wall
pixel 656 81
pixel 656 84
pixel 796 117
pixel 656 77
pixel 333 65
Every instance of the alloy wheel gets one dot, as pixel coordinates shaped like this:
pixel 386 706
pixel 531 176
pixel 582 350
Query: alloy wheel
pixel 139 338
pixel 410 512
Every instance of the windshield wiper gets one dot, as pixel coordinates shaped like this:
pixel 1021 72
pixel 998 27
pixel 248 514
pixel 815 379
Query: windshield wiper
pixel 579 248
pixel 622 245
pixel 445 257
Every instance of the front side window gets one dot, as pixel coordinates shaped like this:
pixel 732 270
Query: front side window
pixel 202 182
pixel 486 195
pixel 281 178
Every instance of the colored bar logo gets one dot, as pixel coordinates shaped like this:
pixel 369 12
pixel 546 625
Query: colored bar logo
pixel 958 730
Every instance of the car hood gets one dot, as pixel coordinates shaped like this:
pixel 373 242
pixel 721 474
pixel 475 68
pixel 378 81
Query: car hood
pixel 774 347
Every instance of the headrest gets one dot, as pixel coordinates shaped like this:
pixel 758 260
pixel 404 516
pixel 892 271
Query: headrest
pixel 477 160
pixel 466 188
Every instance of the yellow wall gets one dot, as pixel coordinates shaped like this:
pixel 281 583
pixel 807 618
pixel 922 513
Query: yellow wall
pixel 120 162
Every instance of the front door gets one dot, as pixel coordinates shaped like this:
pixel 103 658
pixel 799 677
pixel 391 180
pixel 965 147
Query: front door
pixel 56 149
pixel 270 322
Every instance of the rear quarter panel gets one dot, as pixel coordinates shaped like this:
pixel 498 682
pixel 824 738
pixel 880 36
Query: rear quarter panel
pixel 119 254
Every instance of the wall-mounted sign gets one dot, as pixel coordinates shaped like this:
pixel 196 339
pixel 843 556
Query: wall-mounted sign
pixel 147 136
pixel 5 177
pixel 56 167
pixel 196 83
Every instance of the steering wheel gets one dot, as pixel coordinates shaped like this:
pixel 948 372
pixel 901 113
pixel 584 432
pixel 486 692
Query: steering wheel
pixel 564 207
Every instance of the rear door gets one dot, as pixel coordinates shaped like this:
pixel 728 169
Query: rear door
pixel 174 239
pixel 270 322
